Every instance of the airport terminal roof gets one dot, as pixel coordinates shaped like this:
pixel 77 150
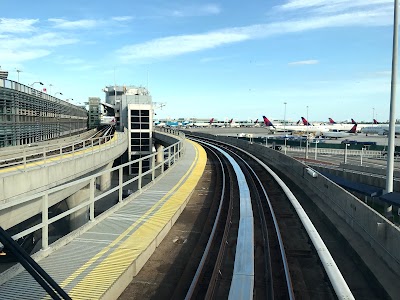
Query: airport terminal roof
pixel 391 198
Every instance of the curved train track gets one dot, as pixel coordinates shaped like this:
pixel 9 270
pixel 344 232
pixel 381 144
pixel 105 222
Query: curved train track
pixel 281 263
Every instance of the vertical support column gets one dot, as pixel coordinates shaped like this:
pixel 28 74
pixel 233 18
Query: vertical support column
pixel 45 221
pixel 91 196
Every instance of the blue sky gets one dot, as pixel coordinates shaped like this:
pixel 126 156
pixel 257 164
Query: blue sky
pixel 222 59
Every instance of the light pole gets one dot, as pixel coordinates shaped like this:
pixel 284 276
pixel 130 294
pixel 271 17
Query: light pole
pixel 307 135
pixel 373 114
pixel 284 123
pixel 345 152
pixel 50 85
pixel 41 83
pixel 18 71
pixel 392 118
pixel 316 143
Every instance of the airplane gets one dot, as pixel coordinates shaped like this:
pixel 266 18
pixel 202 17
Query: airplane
pixel 293 128
pixel 375 121
pixel 340 134
pixel 256 124
pixel 232 123
pixel 202 124
pixel 380 129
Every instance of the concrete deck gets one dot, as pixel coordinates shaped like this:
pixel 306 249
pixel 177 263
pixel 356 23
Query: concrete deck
pixel 104 257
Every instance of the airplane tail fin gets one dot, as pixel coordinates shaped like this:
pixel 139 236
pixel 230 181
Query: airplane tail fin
pixel 230 121
pixel 305 122
pixel 211 120
pixel 353 129
pixel 256 121
pixel 353 122
pixel 375 121
pixel 267 122
pixel 331 121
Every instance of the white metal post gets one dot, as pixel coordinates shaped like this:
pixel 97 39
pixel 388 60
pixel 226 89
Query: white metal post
pixel 45 221
pixel 169 157
pixel 140 175
pixel 121 180
pixel 153 166
pixel 316 142
pixel 345 153
pixel 392 117
pixel 91 195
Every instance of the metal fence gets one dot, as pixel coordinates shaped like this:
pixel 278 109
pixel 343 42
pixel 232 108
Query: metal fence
pixel 171 154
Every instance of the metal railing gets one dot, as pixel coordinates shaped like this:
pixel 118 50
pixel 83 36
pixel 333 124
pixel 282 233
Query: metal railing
pixel 171 154
pixel 32 155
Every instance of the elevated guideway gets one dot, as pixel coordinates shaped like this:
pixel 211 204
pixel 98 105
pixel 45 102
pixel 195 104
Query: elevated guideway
pixel 31 177
pixel 99 260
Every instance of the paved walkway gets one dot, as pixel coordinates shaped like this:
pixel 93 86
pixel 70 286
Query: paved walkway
pixel 102 261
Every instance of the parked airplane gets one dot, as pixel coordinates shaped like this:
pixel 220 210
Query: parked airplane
pixel 380 129
pixel 295 128
pixel 340 134
pixel 202 124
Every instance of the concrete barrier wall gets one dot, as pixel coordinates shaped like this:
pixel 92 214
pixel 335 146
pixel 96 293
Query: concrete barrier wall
pixel 355 215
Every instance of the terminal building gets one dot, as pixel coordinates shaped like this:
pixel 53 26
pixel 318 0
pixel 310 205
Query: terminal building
pixel 132 108
pixel 28 115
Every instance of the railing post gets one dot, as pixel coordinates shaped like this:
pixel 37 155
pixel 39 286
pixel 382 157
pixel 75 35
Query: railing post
pixel 121 180
pixel 24 158
pixel 153 163
pixel 169 157
pixel 45 221
pixel 91 195
pixel 140 175
pixel 174 153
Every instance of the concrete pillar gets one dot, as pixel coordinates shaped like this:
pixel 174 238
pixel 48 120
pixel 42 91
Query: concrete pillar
pixel 105 179
pixel 80 217
pixel 160 153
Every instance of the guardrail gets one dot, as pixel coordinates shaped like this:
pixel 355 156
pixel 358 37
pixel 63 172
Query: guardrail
pixel 171 154
pixel 43 154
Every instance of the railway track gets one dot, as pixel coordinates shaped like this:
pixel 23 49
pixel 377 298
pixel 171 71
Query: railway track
pixel 275 255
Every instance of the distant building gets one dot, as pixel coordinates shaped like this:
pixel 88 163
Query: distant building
pixel 133 109
pixel 94 112
pixel 28 115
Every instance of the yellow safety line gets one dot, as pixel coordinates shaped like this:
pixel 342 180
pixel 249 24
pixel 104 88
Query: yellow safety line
pixel 125 233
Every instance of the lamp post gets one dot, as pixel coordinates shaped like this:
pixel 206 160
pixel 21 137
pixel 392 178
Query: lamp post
pixel 50 85
pixel 373 114
pixel 307 135
pixel 18 71
pixel 284 123
pixel 316 143
pixel 345 152
pixel 392 117
pixel 41 83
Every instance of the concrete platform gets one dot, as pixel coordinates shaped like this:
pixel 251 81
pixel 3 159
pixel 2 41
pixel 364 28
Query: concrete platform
pixel 101 261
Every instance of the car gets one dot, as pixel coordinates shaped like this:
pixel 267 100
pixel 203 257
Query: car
pixel 351 142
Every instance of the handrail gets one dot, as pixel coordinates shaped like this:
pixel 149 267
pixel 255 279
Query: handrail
pixel 44 279
pixel 40 153
pixel 172 153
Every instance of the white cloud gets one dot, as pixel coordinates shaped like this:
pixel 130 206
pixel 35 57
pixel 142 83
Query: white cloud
pixel 122 18
pixel 79 24
pixel 176 45
pixel 19 55
pixel 17 25
pixel 304 62
pixel 331 5
pixel 193 11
